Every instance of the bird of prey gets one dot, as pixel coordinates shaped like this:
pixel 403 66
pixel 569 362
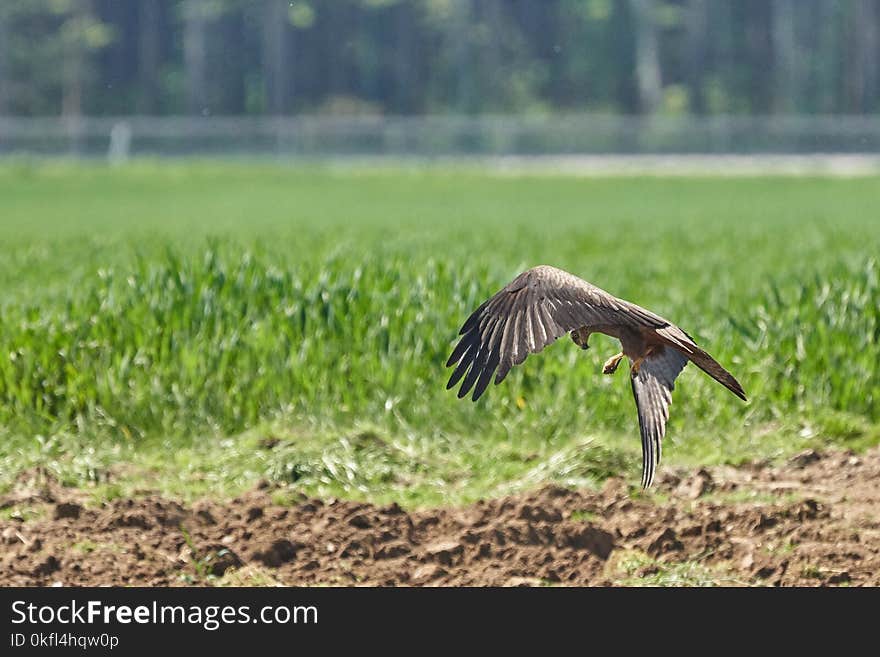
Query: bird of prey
pixel 542 304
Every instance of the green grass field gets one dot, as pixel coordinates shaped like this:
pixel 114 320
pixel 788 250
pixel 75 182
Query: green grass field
pixel 193 328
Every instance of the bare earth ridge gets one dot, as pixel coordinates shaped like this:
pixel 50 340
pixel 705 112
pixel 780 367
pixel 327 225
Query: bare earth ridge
pixel 813 521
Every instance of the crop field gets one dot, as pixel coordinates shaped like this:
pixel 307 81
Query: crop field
pixel 202 330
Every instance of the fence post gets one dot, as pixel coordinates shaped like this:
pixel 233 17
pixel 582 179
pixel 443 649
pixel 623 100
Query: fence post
pixel 120 143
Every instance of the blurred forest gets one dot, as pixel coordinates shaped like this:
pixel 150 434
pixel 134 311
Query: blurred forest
pixel 402 57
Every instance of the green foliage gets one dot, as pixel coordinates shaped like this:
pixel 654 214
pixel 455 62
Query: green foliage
pixel 45 46
pixel 437 56
pixel 635 568
pixel 158 323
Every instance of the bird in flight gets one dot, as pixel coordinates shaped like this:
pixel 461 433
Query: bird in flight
pixel 542 304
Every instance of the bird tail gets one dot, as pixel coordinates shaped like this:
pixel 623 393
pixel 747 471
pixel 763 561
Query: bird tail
pixel 711 367
pixel 684 343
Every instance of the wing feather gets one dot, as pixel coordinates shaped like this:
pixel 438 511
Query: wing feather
pixel 539 335
pixel 531 312
pixel 474 371
pixel 652 388
pixel 463 364
pixel 458 352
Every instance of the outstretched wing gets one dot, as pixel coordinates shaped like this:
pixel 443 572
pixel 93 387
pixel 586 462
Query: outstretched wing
pixel 536 308
pixel 652 387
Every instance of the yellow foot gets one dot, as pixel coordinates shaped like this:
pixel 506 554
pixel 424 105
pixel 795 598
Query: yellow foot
pixel 634 368
pixel 610 366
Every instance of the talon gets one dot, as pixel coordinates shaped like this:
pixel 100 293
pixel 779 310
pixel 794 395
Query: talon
pixel 610 366
pixel 634 368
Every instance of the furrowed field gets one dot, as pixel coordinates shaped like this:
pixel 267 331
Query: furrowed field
pixel 193 329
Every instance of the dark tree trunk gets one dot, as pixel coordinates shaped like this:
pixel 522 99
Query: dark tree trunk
pixel 490 61
pixel 341 36
pixel 863 80
pixel 228 67
pixel 149 56
pixel 786 56
pixel 825 20
pixel 4 71
pixel 194 55
pixel 647 56
pixel 622 63
pixel 759 51
pixel 275 56
pixel 405 59
pixel 73 67
pixel 697 53
pixel 465 89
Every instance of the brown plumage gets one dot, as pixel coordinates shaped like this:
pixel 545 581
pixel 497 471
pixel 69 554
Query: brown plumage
pixel 543 304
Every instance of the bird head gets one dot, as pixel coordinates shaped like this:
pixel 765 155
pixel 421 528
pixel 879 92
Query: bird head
pixel 580 338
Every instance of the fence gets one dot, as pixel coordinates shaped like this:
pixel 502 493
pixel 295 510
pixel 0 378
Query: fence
pixel 434 136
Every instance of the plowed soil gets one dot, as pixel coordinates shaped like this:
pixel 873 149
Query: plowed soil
pixel 813 521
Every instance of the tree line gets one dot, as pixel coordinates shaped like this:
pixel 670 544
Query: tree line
pixel 402 57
